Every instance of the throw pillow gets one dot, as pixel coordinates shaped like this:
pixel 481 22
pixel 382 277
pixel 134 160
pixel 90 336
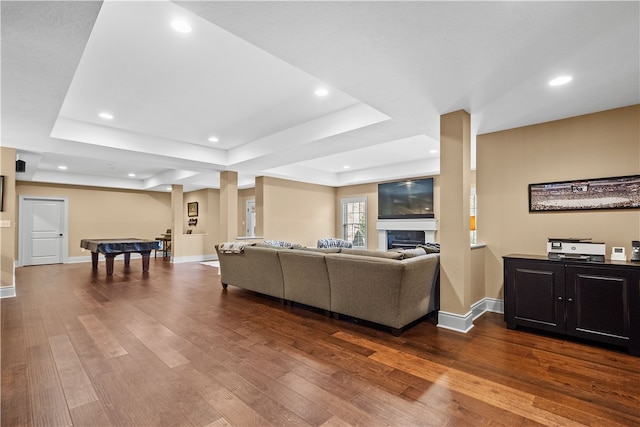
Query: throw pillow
pixel 282 244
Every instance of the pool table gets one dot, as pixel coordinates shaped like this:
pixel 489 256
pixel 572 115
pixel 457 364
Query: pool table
pixel 114 247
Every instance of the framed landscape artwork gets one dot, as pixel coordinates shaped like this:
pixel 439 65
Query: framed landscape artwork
pixel 192 209
pixel 622 192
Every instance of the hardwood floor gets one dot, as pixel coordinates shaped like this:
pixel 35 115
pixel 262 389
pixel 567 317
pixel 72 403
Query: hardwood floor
pixel 172 348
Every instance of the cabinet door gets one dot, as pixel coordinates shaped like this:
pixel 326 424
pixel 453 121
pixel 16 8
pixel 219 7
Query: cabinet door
pixel 598 303
pixel 534 294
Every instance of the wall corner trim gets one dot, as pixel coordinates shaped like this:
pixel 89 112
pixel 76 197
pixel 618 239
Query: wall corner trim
pixel 464 323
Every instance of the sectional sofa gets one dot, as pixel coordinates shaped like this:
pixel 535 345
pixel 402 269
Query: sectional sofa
pixel 392 289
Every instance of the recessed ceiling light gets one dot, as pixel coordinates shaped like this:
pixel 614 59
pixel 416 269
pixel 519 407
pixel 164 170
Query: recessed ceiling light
pixel 132 174
pixel 213 139
pixel 106 116
pixel 322 92
pixel 560 80
pixel 181 26
pixel 346 166
pixel 62 167
pixel 433 151
pixel 169 188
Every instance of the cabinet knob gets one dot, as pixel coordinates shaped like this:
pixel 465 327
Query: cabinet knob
pixel 559 298
pixel 570 299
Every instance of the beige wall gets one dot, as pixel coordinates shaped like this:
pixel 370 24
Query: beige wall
pixel 478 262
pixel 201 243
pixel 106 213
pixel 596 145
pixel 213 203
pixel 8 234
pixel 200 197
pixel 296 211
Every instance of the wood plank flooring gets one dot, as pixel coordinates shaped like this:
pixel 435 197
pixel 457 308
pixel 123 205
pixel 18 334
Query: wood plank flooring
pixel 172 348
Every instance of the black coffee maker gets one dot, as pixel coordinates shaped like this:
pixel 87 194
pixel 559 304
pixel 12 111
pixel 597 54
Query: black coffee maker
pixel 635 250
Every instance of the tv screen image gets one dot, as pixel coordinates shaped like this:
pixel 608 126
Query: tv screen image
pixel 406 199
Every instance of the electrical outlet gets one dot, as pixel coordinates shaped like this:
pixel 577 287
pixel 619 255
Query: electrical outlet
pixel 5 223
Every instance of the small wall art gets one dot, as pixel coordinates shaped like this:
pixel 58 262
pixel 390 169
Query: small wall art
pixel 192 209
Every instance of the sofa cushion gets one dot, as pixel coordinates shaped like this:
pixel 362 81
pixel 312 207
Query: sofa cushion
pixel 377 254
pixel 306 279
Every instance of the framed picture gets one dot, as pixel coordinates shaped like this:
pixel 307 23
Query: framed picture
pixel 192 209
pixel 1 193
pixel 622 192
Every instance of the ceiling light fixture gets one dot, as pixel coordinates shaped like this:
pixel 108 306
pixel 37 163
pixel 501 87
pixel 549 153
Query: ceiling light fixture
pixel 346 166
pixel 181 26
pixel 560 80
pixel 169 188
pixel 62 167
pixel 106 116
pixel 322 92
pixel 433 151
pixel 132 174
pixel 213 139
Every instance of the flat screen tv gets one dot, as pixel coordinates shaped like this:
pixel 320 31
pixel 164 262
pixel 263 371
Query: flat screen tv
pixel 406 199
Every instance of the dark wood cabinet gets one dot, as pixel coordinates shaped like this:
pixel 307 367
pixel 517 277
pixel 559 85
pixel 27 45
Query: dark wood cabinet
pixel 599 301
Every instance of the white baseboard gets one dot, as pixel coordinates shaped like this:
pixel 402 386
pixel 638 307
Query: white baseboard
pixel 77 259
pixel 8 291
pixel 135 255
pixel 455 322
pixel 194 258
pixel 464 323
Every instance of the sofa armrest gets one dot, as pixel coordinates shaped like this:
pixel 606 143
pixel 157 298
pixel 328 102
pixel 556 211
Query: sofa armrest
pixel 256 269
pixel 365 287
pixel 389 292
pixel 418 292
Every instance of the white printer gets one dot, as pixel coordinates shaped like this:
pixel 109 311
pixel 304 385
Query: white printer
pixel 576 248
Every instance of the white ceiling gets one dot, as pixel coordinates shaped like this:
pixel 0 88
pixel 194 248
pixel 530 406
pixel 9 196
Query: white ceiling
pixel 248 71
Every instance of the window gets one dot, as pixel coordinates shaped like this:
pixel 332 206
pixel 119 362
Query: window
pixel 354 221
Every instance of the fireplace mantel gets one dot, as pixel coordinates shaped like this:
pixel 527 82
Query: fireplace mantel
pixel 428 225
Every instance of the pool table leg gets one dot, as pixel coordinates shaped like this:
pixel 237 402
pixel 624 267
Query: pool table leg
pixel 145 260
pixel 109 260
pixel 94 260
pixel 127 258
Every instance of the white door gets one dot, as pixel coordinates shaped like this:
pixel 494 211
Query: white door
pixel 43 227
pixel 251 218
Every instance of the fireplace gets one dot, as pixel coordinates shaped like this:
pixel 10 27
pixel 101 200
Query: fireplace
pixel 400 229
pixel 404 239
